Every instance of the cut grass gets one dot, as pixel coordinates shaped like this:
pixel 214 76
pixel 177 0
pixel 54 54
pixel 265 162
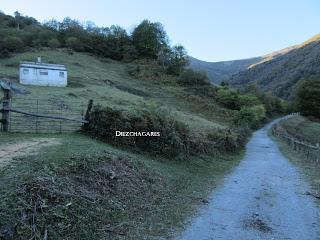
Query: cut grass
pixel 152 209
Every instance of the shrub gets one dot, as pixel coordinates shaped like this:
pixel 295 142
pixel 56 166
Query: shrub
pixel 228 98
pixel 193 78
pixel 175 140
pixel 250 116
pixel 4 53
pixel 248 100
pixel 75 44
pixel 172 142
pixel 13 44
pixel 54 43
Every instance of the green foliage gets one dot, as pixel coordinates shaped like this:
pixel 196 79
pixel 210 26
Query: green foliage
pixel 228 98
pixel 190 77
pixel 248 100
pixel 274 105
pixel 250 116
pixel 175 140
pixel 12 44
pixel 172 142
pixel 177 60
pixel 251 109
pixel 236 100
pixel 74 44
pixel 53 43
pixel 302 128
pixel 308 97
pixel 149 39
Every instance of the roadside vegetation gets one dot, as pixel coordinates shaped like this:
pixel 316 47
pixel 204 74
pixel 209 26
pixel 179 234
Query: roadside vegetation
pixel 83 188
pixel 305 128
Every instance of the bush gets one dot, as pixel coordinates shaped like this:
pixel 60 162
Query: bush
pixel 175 140
pixel 250 116
pixel 13 44
pixel 248 100
pixel 228 98
pixel 4 53
pixel 75 44
pixel 172 142
pixel 54 43
pixel 193 78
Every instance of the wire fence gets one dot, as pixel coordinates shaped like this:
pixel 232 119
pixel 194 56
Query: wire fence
pixel 22 123
pixel 308 150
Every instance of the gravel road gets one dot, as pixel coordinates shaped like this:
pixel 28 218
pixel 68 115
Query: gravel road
pixel 263 198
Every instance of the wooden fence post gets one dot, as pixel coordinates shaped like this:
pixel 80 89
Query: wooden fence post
pixel 87 116
pixel 6 103
pixel 60 130
pixel 37 123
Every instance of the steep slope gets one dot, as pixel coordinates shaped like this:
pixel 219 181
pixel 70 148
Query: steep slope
pixel 219 71
pixel 283 72
pixel 108 82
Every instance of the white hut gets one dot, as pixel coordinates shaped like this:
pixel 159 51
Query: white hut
pixel 43 74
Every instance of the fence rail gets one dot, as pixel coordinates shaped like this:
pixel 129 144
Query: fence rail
pixel 50 115
pixel 308 150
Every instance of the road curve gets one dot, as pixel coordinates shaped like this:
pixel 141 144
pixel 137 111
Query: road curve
pixel 263 198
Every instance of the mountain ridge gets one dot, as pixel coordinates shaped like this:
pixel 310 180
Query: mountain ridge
pixel 279 72
pixel 282 74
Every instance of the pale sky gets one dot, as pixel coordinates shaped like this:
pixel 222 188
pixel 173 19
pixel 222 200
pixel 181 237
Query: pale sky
pixel 211 30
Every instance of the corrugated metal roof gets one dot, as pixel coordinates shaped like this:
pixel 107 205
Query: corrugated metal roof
pixel 7 85
pixel 43 66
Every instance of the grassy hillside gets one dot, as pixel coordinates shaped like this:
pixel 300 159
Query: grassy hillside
pixel 60 190
pixel 282 73
pixel 108 83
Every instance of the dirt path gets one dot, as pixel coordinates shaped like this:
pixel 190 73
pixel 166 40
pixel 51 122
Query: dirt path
pixel 264 198
pixel 23 148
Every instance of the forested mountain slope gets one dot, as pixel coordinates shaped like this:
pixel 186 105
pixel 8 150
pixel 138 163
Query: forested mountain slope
pixel 282 74
pixel 219 71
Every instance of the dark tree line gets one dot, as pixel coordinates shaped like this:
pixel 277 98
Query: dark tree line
pixel 308 97
pixel 148 40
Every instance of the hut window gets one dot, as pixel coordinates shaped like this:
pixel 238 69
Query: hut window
pixel 61 74
pixel 25 71
pixel 43 72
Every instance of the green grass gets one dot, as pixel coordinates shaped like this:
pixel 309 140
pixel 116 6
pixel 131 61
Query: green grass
pixel 108 83
pixel 180 188
pixel 302 128
pixel 157 196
